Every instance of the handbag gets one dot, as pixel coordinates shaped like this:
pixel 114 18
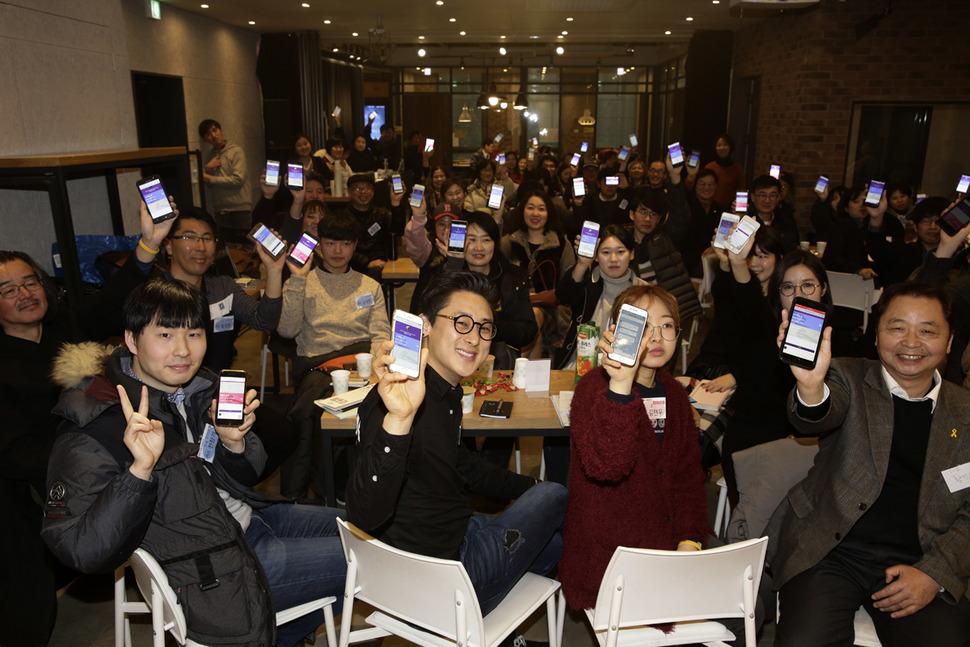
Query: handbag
pixel 546 298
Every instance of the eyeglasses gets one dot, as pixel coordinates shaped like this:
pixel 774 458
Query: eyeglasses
pixel 807 288
pixel 192 239
pixel 647 213
pixel 464 324
pixel 761 195
pixel 361 188
pixel 668 331
pixel 13 291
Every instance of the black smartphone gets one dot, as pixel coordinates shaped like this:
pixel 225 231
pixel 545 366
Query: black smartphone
pixel 153 193
pixel 261 235
pixel 294 176
pixel 302 250
pixel 874 195
pixel 956 218
pixel 695 157
pixel 456 238
pixel 272 173
pixel 676 154
pixel 232 398
pixel 803 338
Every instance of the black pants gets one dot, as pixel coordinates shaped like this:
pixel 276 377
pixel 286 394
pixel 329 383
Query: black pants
pixel 818 607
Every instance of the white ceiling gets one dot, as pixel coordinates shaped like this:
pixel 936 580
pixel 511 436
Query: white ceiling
pixel 530 27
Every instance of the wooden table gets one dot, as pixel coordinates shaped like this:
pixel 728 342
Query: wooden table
pixel 532 415
pixel 51 172
pixel 396 273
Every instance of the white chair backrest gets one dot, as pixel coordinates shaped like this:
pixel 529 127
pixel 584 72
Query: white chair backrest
pixel 851 290
pixel 434 594
pixel 150 577
pixel 669 586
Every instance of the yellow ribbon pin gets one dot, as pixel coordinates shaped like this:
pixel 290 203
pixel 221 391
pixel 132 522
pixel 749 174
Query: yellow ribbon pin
pixel 953 434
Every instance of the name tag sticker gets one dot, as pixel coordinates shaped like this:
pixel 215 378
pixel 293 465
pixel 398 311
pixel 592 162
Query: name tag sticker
pixel 373 229
pixel 656 408
pixel 364 301
pixel 220 308
pixel 623 204
pixel 957 478
pixel 207 446
pixel 223 324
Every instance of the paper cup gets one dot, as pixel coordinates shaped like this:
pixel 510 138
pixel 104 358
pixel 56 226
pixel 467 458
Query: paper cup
pixel 820 247
pixel 487 367
pixel 341 381
pixel 521 366
pixel 805 245
pixel 467 399
pixel 364 361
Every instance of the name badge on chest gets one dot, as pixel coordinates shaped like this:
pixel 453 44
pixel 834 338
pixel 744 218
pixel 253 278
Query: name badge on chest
pixel 207 446
pixel 364 301
pixel 373 229
pixel 656 408
pixel 221 314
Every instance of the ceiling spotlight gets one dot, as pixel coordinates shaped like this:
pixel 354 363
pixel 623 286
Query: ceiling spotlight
pixel 560 50
pixel 326 22
pixel 690 19
pixel 493 98
pixel 461 33
pixel 305 5
pixel 502 51
pixel 620 71
pixel 427 71
pixel 521 102
pixel 252 22
pixel 503 104
pixel 452 19
pixel 565 33
pixel 716 1
pixel 420 37
pixel 336 49
pixel 533 37
pixel 421 52
pixel 205 6
pixel 569 19
pixel 667 33
pixel 482 103
pixel 354 34
pixel 502 36
pixel 439 2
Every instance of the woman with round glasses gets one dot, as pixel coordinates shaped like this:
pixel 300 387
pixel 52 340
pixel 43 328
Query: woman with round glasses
pixel 634 449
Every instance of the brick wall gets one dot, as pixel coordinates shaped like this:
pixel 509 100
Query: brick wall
pixel 813 68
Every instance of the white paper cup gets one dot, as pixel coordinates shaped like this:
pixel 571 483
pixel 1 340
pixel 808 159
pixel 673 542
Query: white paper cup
pixel 820 247
pixel 467 399
pixel 805 245
pixel 364 361
pixel 521 366
pixel 341 381
pixel 487 367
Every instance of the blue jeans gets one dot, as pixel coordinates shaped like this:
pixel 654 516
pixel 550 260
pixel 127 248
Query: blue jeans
pixel 302 557
pixel 497 551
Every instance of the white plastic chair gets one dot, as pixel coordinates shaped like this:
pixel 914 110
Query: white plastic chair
pixel 167 615
pixel 852 291
pixel 723 515
pixel 430 601
pixel 644 587
pixel 685 342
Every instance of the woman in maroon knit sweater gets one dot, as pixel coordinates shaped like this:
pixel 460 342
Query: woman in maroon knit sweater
pixel 635 479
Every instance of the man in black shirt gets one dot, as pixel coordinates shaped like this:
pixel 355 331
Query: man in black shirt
pixel 882 520
pixel 376 225
pixel 413 475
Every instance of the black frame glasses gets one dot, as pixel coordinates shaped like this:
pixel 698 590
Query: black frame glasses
pixel 807 288
pixel 464 325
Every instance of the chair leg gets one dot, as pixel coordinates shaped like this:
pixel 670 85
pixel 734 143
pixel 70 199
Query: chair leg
pixel 328 621
pixel 120 599
pixel 560 618
pixel 158 618
pixel 262 373
pixel 518 457
pixel 552 621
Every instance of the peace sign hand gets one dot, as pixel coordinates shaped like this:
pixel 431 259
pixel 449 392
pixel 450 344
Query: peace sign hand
pixel 144 438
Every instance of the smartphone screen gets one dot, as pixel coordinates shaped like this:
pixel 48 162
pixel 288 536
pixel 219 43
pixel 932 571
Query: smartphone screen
pixel 741 202
pixel 294 175
pixel 456 239
pixel 535 141
pixel 407 343
pixel 579 187
pixel 232 398
pixel 956 218
pixel 612 180
pixel 628 333
pixel 584 147
pixel 775 171
pixel 920 197
pixel 301 252
pixel 372 115
pixel 417 193
pixel 804 334
pixel 623 154
pixel 495 197
pixel 723 227
pixel 875 193
pixel 587 239
pixel 268 240
pixel 633 140
pixel 745 230
pixel 575 159
pixel 964 184
pixel 821 184
pixel 272 173
pixel 153 193
pixel 500 158
pixel 429 145
pixel 532 155
pixel 498 138
pixel 396 184
pixel 695 157
pixel 676 154
pixel 336 111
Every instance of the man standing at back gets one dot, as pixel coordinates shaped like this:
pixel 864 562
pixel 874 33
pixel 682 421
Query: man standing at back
pixel 882 520
pixel 226 178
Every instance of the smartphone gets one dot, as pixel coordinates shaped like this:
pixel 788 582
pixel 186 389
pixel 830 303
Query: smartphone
pixel 535 141
pixel 531 155
pixel 587 239
pixel 416 194
pixel 336 111
pixel 456 239
pixel 821 184
pixel 406 336
pixel 498 138
pixel 294 176
pixel 633 140
pixel 232 398
pixel 495 197
pixel 676 154
pixel 695 158
pixel 270 241
pixel 153 193
pixel 575 159
pixel 302 250
pixel 723 227
pixel 741 202
pixel 584 147
pixel 272 173
pixel 500 158
pixel 612 180
pixel 956 218
pixel 372 115
pixel 806 321
pixel 745 230
pixel 628 334
pixel 579 187
pixel 429 145
pixel 920 197
pixel 775 171
pixel 964 184
pixel 397 185
pixel 875 193
pixel 623 154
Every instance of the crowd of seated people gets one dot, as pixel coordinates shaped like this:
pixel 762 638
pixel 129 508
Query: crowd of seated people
pixel 518 286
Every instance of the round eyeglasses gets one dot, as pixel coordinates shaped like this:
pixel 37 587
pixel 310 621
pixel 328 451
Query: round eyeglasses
pixel 464 324
pixel 807 288
pixel 668 331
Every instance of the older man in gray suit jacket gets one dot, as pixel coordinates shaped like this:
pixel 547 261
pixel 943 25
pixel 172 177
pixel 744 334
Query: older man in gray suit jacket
pixel 882 520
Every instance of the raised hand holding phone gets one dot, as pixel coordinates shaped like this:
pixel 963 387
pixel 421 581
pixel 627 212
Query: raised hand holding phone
pixel 621 375
pixel 144 438
pixel 810 382
pixel 402 396
pixel 233 437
